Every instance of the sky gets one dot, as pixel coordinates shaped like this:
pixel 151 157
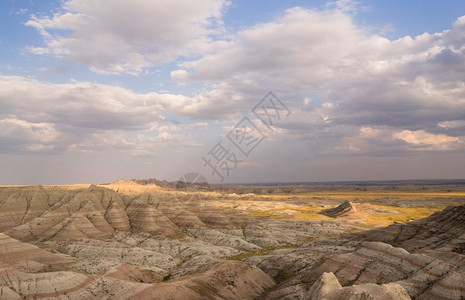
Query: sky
pixel 96 90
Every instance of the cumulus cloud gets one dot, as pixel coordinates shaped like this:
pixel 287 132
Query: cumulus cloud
pixel 390 141
pixel 19 135
pixel 364 79
pixel 428 141
pixel 121 36
pixel 289 45
pixel 369 94
pixel 81 116
pixel 451 124
pixel 80 104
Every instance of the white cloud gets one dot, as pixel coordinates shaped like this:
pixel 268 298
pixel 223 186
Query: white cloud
pixel 179 75
pixel 368 94
pixel 121 36
pixel 144 143
pixel 452 124
pixel 427 141
pixel 22 11
pixel 366 140
pixel 39 132
pixel 328 105
pixel 84 104
pixel 390 141
pixel 83 116
pixel 363 79
pixel 289 45
pixel 18 135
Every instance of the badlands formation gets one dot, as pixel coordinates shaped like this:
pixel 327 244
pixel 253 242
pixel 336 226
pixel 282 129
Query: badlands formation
pixel 141 240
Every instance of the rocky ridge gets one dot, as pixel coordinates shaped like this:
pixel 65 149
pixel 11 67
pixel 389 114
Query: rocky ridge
pixel 99 243
pixel 424 257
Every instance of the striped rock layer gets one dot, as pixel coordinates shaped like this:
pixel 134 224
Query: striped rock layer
pixel 229 280
pixel 426 257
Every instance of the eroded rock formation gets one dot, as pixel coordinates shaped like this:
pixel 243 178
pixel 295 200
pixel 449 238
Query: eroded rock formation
pixel 143 243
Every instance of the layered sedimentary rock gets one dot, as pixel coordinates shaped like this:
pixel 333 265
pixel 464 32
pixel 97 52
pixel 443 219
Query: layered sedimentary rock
pixel 428 261
pixel 43 285
pixel 421 275
pixel 12 251
pixel 130 273
pixel 323 286
pixel 117 217
pixel 78 213
pixel 96 243
pixel 30 266
pixel 7 293
pixel 229 280
pixel 124 245
pixel 328 287
pixel 144 217
pixel 343 209
pixel 425 257
pixel 183 218
pixel 444 231
pixel 129 187
pixel 19 206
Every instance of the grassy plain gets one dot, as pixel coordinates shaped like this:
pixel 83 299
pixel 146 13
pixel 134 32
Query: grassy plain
pixel 373 205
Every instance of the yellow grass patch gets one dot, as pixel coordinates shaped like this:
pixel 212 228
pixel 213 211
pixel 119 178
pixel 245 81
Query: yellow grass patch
pixel 402 215
pixel 356 195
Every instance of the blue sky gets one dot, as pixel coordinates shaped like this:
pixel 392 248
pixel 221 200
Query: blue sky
pixel 92 91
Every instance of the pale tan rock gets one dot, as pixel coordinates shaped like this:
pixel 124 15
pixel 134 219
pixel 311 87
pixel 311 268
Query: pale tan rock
pixel 120 246
pixel 94 204
pixel 30 266
pixel 130 273
pixel 327 287
pixel 370 291
pixel 43 285
pixel 451 286
pixel 214 218
pixel 75 227
pixel 7 293
pixel 12 251
pixel 184 218
pixel 323 286
pixel 144 217
pixel 116 217
pixel 229 280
